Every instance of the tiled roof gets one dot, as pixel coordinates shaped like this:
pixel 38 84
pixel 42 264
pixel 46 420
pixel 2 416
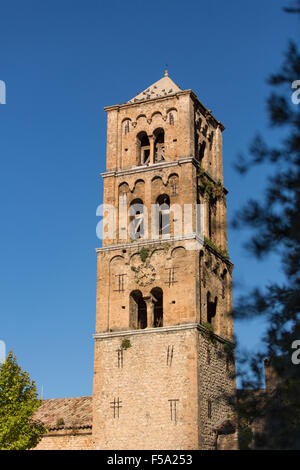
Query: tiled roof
pixel 163 87
pixel 66 413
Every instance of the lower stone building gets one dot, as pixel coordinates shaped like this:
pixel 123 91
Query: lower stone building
pixel 69 423
pixel 69 420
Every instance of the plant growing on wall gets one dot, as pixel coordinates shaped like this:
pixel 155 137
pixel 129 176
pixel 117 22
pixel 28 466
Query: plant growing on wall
pixel 219 250
pixel 212 190
pixel 144 254
pixel 126 344
pixel 209 331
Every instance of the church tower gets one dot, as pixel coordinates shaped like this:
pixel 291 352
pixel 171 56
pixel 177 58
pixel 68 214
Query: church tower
pixel 164 327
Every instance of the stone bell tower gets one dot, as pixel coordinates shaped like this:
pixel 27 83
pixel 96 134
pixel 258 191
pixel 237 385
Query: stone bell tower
pixel 164 326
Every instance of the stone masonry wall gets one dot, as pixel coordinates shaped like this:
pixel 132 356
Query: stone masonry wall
pixel 113 301
pixel 65 440
pixel 160 365
pixel 216 383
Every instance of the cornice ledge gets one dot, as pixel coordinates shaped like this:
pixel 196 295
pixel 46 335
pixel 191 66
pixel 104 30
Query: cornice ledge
pixel 153 241
pixel 139 102
pixel 161 329
pixel 142 168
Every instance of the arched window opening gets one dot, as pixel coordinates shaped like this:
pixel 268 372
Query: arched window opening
pixel 159 145
pixel 224 273
pixel 224 280
pixel 143 146
pixel 126 127
pixel 136 218
pixel 202 150
pixel 163 203
pixel 173 181
pixel 211 307
pixel 138 311
pixel 157 298
pixel 211 138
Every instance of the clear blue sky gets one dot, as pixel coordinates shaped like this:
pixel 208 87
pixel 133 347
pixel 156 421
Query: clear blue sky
pixel 62 62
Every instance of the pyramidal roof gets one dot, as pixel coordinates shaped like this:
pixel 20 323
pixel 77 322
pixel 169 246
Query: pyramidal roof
pixel 163 87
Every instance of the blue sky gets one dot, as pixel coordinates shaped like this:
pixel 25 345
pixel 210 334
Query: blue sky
pixel 62 62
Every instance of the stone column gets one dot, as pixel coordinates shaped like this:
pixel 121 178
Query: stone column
pixel 151 141
pixel 150 316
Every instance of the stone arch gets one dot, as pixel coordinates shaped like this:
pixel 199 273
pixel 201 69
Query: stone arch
pixel 201 152
pixel 126 125
pixel 178 252
pixel 173 182
pixel 140 116
pixel 116 272
pixel 224 273
pixel 156 114
pixel 156 178
pixel 135 259
pixel 136 219
pixel 143 148
pixel 173 175
pixel 139 187
pixel 156 255
pixel 224 280
pixel 141 121
pixel 172 116
pixel 123 191
pixel 126 119
pixel 157 187
pixel 159 145
pixel 123 188
pixel 157 305
pixel 137 311
pixel 163 214
pixel 115 259
pixel 140 180
pixel 211 306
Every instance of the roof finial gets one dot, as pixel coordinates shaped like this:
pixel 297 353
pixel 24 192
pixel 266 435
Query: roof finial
pixel 166 71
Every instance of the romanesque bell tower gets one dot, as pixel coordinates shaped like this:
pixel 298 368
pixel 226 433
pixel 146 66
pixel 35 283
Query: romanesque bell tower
pixel 164 325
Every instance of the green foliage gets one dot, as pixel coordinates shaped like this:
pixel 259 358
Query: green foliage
pixel 245 437
pixel 229 351
pixel 223 253
pixel 209 331
pixel 126 344
pixel 219 189
pixel 134 269
pixel 18 402
pixel 209 188
pixel 208 326
pixel 144 253
pixel 200 170
pixel 275 221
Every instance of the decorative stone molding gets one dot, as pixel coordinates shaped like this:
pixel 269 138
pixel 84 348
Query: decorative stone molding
pixel 143 168
pixel 160 329
pixel 159 241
